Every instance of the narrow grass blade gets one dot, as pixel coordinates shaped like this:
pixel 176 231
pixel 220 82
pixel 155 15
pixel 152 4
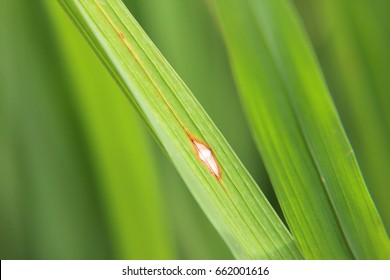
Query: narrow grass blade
pixel 220 183
pixel 54 207
pixel 306 151
pixel 137 220
pixel 352 42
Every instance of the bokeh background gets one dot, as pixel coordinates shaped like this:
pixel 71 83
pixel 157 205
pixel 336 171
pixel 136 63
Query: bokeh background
pixel 82 178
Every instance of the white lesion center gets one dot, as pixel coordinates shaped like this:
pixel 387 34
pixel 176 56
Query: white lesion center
pixel 207 157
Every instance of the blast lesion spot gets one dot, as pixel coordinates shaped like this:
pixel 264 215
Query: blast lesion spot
pixel 206 155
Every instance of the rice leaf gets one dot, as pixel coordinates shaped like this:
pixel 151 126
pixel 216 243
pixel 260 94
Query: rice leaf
pixel 307 154
pixel 219 182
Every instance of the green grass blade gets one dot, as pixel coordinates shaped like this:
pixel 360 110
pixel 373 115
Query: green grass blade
pixel 118 150
pixel 52 211
pixel 352 42
pixel 306 151
pixel 232 201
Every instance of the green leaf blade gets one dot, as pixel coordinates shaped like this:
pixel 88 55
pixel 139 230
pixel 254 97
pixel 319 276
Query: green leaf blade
pixel 234 203
pixel 307 154
pixel 48 207
pixel 355 62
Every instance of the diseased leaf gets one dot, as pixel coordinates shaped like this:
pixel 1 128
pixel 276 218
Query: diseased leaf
pixel 233 202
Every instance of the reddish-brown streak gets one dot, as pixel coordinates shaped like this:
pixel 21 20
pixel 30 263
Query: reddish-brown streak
pixel 121 35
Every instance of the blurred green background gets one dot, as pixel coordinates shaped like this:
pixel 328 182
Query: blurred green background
pixel 82 178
